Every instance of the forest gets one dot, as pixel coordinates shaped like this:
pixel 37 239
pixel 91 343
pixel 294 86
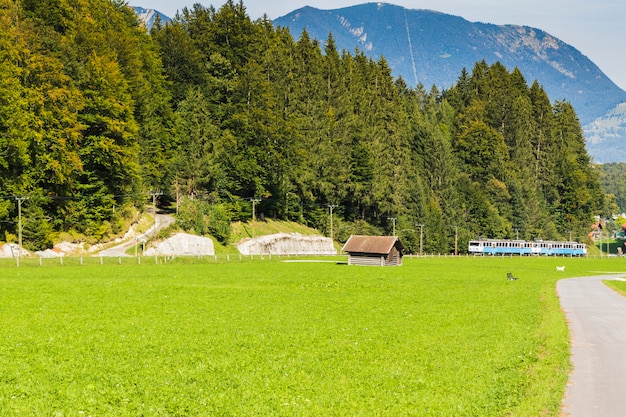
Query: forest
pixel 220 115
pixel 613 182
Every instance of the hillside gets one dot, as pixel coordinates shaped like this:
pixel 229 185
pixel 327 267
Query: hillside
pixel 606 136
pixel 226 119
pixel 431 48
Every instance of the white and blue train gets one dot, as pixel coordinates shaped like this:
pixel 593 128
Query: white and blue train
pixel 524 247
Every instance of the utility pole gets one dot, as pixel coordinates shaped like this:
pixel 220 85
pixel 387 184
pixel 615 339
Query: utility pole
pixel 177 195
pixel 19 228
pixel 456 240
pixel 331 207
pixel 421 226
pixel 393 219
pixel 254 202
pixel 154 195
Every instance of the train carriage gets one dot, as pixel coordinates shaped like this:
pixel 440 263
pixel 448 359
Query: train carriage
pixel 522 247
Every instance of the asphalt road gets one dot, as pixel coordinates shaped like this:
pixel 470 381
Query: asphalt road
pixel 596 317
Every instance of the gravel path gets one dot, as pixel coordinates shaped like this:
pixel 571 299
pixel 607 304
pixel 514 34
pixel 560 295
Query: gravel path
pixel 597 321
pixel 161 221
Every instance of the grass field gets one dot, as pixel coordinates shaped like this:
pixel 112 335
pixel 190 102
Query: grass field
pixel 435 337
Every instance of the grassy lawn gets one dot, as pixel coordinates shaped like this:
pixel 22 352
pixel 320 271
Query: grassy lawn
pixel 435 337
pixel 619 286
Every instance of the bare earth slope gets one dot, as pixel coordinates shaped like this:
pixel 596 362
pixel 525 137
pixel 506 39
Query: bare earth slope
pixel 161 221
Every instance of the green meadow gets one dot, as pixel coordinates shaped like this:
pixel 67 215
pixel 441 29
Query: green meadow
pixel 199 337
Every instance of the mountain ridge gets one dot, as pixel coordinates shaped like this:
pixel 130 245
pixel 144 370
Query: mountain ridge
pixel 147 16
pixel 432 47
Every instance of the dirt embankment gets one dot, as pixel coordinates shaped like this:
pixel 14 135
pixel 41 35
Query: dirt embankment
pixel 184 244
pixel 287 244
pixel 131 238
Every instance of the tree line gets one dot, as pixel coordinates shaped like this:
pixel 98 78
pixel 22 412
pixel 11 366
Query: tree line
pixel 613 182
pixel 223 115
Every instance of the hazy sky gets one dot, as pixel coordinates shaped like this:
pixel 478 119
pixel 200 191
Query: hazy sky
pixel 596 28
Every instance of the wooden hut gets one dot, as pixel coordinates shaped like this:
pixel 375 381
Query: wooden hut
pixel 374 250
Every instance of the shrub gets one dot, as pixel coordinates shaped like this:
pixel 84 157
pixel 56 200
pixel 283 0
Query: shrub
pixel 202 218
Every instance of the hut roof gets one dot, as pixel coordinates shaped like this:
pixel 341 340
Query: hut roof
pixel 372 244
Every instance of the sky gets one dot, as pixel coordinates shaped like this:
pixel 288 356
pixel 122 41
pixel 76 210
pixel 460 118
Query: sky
pixel 596 28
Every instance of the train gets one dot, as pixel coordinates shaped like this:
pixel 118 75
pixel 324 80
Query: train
pixel 524 247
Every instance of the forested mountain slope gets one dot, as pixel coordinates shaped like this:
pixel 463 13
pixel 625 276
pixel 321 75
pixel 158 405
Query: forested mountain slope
pixel 613 179
pixel 225 115
pixel 431 48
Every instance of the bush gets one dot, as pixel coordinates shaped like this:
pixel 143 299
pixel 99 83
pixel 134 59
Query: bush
pixel 37 231
pixel 202 218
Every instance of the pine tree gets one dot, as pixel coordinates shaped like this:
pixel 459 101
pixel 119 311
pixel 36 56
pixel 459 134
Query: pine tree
pixel 579 190
pixel 390 142
pixel 524 198
pixel 15 133
pixel 196 168
pixel 182 60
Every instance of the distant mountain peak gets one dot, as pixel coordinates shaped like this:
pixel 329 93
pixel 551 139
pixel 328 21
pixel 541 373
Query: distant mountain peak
pixel 147 16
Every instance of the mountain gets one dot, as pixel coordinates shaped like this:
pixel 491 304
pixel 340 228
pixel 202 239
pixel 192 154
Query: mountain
pixel 431 48
pixel 147 16
pixel 606 136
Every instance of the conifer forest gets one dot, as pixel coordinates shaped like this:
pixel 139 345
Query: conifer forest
pixel 221 115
